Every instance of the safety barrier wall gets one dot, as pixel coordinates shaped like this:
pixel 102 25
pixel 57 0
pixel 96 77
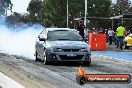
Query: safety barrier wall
pixel 97 41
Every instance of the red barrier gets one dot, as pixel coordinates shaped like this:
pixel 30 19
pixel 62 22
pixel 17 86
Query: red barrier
pixel 97 41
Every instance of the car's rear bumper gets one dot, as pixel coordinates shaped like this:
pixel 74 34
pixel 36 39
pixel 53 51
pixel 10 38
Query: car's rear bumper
pixel 129 45
pixel 69 56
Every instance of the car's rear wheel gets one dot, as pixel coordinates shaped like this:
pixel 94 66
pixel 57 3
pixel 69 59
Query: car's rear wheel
pixel 125 45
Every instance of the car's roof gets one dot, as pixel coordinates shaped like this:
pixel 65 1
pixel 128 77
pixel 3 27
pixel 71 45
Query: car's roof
pixel 54 29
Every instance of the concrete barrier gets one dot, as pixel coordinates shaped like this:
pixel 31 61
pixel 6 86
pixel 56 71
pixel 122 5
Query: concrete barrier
pixel 6 82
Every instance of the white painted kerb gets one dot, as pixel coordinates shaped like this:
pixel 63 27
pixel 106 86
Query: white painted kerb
pixel 6 82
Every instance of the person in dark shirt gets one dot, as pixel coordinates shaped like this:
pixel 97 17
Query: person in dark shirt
pixel 80 28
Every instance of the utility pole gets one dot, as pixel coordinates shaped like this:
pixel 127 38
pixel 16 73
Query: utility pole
pixel 67 14
pixel 85 18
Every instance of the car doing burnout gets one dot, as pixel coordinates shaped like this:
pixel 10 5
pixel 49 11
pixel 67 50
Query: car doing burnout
pixel 61 44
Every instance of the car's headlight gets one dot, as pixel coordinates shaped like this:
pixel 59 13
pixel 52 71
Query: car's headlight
pixel 85 50
pixel 55 50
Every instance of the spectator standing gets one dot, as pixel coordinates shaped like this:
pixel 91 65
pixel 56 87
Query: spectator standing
pixel 80 28
pixel 115 38
pixel 106 32
pixel 120 36
pixel 110 35
pixel 127 32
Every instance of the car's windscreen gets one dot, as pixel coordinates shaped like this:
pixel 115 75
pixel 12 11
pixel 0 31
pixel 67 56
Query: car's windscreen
pixel 63 35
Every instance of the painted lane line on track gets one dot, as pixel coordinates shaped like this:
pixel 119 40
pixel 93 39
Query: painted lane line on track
pixel 110 57
pixel 125 56
pixel 6 82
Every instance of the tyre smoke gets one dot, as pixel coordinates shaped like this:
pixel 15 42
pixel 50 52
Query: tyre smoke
pixel 19 40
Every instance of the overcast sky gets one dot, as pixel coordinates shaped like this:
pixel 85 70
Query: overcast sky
pixel 20 5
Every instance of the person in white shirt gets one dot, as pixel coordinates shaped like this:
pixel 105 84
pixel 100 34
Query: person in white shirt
pixel 110 35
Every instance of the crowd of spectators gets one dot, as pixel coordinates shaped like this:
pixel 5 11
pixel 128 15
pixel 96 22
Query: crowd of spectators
pixel 112 36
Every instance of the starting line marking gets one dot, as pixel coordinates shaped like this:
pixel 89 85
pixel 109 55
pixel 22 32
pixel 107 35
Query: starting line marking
pixel 6 82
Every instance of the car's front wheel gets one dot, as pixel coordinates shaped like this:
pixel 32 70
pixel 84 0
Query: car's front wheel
pixel 86 63
pixel 45 59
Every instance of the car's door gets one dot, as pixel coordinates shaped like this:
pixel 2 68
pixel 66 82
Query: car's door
pixel 40 44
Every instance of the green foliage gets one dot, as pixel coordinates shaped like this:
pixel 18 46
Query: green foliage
pixel 121 7
pixel 54 12
pixel 76 9
pixel 98 8
pixel 16 18
pixel 34 9
pixel 5 5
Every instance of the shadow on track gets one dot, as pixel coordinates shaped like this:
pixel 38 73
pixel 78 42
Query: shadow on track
pixel 70 64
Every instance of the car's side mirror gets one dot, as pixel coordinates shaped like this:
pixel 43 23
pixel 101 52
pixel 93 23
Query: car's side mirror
pixel 39 36
pixel 42 39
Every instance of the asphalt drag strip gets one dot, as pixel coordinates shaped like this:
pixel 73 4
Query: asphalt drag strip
pixel 63 75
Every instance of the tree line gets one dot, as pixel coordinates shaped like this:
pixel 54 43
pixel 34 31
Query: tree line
pixel 54 12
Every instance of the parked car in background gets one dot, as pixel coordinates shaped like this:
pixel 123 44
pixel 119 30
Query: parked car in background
pixel 61 45
pixel 128 41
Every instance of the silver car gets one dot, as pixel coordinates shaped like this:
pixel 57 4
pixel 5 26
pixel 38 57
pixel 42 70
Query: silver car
pixel 61 45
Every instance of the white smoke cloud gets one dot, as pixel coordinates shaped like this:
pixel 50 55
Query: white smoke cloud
pixel 19 41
